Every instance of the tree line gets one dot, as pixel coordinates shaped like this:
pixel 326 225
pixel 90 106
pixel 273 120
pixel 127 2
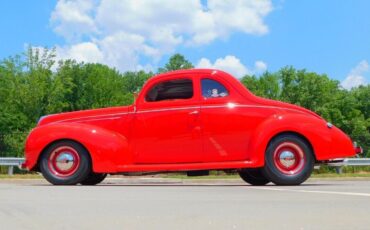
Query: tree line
pixel 33 84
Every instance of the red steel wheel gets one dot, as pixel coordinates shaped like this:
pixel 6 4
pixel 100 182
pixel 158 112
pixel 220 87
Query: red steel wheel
pixel 289 160
pixel 65 163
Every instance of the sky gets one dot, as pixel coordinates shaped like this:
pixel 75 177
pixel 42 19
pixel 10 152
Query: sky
pixel 239 36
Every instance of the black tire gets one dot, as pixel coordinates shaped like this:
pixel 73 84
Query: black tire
pixel 80 171
pixel 94 178
pixel 253 176
pixel 274 170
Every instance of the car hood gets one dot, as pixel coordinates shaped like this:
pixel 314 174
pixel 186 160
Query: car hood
pixel 83 115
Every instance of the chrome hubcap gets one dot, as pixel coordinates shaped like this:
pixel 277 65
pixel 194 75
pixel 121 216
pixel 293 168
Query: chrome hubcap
pixel 65 161
pixel 287 158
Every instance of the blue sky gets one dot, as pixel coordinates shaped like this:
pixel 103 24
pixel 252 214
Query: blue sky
pixel 329 36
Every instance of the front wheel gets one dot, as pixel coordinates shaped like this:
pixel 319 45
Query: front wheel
pixel 289 160
pixel 65 163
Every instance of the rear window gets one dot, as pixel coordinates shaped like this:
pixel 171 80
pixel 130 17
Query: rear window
pixel 171 90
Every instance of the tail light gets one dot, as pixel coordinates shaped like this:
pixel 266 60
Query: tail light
pixel 358 149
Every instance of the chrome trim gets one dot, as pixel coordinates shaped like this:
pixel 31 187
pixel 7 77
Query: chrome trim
pixel 42 118
pixel 119 115
pixel 287 158
pixel 65 161
pixel 168 109
pixel 97 117
pixel 248 106
pixel 227 105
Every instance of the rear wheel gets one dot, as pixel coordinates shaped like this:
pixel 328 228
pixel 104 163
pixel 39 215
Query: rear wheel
pixel 289 160
pixel 253 176
pixel 94 178
pixel 65 163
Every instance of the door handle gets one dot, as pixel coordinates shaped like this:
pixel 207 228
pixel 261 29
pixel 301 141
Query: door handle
pixel 195 112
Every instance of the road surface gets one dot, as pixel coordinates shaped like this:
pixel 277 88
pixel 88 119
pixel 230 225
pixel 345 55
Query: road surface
pixel 153 203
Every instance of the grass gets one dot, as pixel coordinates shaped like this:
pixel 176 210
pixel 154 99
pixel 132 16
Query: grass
pixel 221 176
pixel 343 175
pixel 20 176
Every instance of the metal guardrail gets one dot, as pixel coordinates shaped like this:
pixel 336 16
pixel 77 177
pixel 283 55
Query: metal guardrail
pixel 352 162
pixel 11 162
pixel 338 164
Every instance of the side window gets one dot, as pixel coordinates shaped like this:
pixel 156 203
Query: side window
pixel 213 89
pixel 170 90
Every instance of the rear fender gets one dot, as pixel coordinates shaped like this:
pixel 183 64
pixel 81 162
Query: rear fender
pixel 107 149
pixel 314 130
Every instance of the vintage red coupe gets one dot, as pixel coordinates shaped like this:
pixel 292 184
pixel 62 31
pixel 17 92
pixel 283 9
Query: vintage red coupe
pixel 189 120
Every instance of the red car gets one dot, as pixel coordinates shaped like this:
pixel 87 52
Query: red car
pixel 189 120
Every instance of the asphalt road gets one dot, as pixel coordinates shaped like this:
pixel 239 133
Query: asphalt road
pixel 175 204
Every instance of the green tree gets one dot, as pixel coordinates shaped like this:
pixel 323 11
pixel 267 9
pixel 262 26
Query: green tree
pixel 347 109
pixel 133 81
pixel 307 89
pixel 176 62
pixel 24 89
pixel 267 85
pixel 81 86
pixel 32 85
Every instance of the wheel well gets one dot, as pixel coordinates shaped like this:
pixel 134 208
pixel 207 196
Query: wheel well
pixel 36 168
pixel 295 134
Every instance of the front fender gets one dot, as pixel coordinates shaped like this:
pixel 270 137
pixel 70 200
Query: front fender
pixel 313 129
pixel 107 149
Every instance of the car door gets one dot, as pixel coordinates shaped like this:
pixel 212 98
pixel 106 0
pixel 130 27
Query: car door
pixel 166 124
pixel 226 127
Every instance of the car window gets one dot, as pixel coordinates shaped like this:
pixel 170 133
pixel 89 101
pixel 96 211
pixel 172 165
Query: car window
pixel 171 90
pixel 213 89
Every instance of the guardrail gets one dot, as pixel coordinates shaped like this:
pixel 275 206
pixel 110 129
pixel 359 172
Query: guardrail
pixel 349 162
pixel 11 162
pixel 338 164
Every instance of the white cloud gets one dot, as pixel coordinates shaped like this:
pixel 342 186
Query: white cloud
pixel 356 77
pixel 232 65
pixel 73 19
pixel 82 52
pixel 260 66
pixel 125 31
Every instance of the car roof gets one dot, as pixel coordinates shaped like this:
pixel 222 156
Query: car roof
pixel 195 70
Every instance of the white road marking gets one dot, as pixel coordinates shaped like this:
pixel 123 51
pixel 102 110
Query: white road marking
pixel 314 191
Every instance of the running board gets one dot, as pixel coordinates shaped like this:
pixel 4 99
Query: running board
pixel 187 166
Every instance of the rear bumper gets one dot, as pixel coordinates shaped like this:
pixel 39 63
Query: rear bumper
pixel 347 161
pixel 350 161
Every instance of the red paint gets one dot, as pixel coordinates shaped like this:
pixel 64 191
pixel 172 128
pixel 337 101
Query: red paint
pixel 187 134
